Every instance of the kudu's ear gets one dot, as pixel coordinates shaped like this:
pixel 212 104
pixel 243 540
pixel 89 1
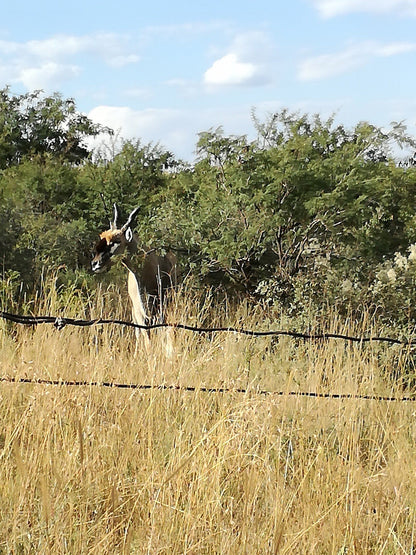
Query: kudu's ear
pixel 128 235
pixel 130 219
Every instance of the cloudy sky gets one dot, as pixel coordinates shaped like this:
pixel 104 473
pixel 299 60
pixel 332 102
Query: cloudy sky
pixel 164 71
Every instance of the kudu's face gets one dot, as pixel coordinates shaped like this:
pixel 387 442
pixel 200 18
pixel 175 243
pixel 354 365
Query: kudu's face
pixel 112 242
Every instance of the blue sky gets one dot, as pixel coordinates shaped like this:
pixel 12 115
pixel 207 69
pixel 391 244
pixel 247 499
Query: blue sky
pixel 164 71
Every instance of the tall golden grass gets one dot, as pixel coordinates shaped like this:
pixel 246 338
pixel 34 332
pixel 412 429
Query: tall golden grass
pixel 92 470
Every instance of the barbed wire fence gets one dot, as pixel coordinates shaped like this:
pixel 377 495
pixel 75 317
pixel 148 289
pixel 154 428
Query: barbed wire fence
pixel 61 322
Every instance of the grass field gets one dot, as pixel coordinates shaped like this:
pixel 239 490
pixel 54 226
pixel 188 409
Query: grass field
pixel 88 470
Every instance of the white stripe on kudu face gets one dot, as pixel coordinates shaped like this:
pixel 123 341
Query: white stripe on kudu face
pixel 114 248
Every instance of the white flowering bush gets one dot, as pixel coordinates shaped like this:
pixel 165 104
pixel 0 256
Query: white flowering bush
pixel 389 293
pixel 393 290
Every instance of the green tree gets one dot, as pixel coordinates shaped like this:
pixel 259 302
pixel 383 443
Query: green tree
pixel 42 198
pixel 137 175
pixel 33 124
pixel 305 189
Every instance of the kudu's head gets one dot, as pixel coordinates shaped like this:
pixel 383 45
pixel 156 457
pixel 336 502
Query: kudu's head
pixel 112 242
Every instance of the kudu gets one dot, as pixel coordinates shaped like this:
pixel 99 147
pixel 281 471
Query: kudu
pixel 156 276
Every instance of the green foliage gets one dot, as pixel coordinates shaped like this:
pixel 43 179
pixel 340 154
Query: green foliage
pixel 305 215
pixel 43 203
pixel 304 189
pixel 32 124
pixel 137 174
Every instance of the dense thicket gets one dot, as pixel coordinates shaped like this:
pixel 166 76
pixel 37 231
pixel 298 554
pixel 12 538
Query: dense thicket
pixel 308 213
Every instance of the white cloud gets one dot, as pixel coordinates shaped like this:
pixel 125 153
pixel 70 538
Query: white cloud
pixel 8 48
pixel 47 75
pixel 228 70
pixel 108 46
pixel 45 64
pixel 175 130
pixel 329 65
pixel 55 47
pixel 395 48
pixel 172 128
pixel 134 123
pixel 332 8
pixel 248 62
pixel 123 60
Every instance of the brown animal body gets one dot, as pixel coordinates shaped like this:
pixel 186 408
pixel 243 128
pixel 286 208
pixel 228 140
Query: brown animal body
pixel 156 276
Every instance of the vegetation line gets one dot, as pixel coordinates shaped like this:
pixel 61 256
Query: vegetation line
pixel 204 389
pixel 60 323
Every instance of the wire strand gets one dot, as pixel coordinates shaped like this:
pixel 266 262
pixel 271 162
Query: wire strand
pixel 205 389
pixel 61 322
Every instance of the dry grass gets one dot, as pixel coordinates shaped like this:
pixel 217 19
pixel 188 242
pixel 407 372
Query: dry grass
pixel 96 470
